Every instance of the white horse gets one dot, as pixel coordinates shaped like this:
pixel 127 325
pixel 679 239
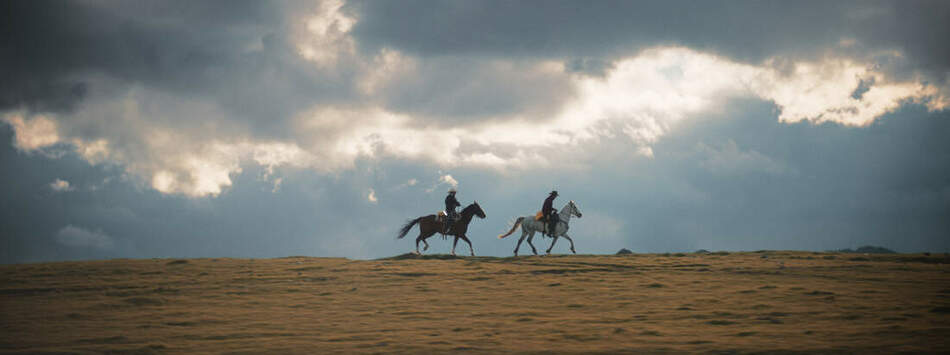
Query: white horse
pixel 529 225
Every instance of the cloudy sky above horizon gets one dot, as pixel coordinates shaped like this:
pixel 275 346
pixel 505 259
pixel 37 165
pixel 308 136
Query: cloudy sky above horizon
pixel 267 129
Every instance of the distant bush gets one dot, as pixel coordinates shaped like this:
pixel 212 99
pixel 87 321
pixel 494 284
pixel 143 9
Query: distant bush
pixel 624 251
pixel 868 249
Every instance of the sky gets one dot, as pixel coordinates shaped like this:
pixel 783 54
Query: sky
pixel 237 128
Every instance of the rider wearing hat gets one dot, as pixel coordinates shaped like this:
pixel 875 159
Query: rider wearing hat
pixel 450 204
pixel 549 213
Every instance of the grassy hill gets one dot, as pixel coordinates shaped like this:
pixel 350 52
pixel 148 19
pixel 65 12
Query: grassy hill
pixel 769 301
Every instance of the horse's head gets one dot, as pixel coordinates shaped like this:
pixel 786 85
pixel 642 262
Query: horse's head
pixel 574 210
pixel 478 210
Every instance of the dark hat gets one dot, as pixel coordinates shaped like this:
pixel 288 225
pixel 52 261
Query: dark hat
pixel 554 192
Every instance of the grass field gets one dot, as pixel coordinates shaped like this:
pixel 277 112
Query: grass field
pixel 769 301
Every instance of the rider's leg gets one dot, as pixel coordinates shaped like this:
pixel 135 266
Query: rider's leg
pixel 449 221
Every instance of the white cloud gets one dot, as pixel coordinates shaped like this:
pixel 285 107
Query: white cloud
pixel 371 196
pixel 449 180
pixel 73 236
pixel 412 182
pixel 60 185
pixel 822 92
pixel 32 133
pixel 326 39
pixel 444 180
pixel 277 183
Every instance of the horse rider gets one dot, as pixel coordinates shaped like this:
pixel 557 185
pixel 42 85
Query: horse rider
pixel 549 214
pixel 450 214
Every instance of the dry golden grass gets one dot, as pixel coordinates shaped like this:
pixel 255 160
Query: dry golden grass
pixel 739 302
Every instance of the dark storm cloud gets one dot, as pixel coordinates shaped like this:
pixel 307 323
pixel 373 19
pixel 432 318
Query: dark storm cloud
pixel 888 184
pixel 234 53
pixel 747 31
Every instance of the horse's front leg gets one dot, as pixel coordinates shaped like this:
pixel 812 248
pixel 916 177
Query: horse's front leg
pixel 570 240
pixel 454 243
pixel 470 249
pixel 552 245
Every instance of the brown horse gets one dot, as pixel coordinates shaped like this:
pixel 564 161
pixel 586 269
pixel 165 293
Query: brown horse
pixel 429 226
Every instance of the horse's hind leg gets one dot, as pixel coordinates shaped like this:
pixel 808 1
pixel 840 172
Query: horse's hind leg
pixel 418 239
pixel 524 234
pixel 530 237
pixel 552 245
pixel 425 241
pixel 422 238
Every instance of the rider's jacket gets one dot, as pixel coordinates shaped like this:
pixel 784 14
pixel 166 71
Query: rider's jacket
pixel 548 207
pixel 450 204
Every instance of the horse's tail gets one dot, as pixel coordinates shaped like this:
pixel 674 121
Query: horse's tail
pixel 513 227
pixel 405 229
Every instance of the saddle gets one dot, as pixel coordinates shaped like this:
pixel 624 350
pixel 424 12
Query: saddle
pixel 539 216
pixel 442 217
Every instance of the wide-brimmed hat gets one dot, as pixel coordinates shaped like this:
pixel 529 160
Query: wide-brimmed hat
pixel 554 192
